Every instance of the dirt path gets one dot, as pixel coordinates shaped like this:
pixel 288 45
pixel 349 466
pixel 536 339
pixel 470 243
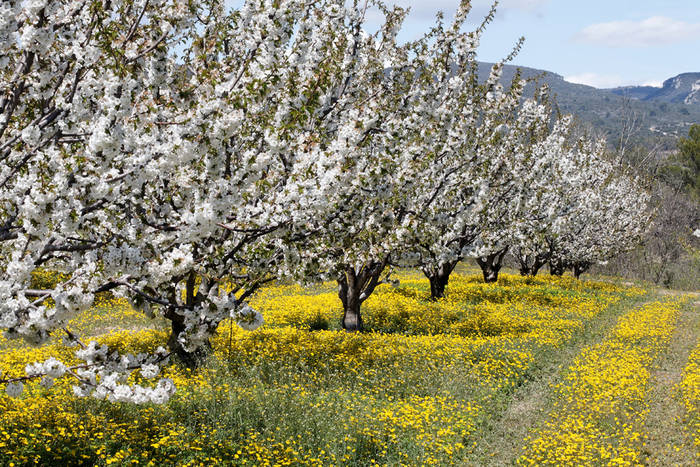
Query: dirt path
pixel 502 441
pixel 668 443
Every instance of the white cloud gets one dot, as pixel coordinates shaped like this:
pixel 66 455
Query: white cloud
pixel 657 30
pixel 602 81
pixel 597 80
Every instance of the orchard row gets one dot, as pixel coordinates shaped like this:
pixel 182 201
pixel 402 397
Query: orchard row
pixel 183 154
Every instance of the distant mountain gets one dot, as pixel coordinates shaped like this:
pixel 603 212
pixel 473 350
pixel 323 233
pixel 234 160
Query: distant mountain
pixel 681 89
pixel 658 121
pixel 641 93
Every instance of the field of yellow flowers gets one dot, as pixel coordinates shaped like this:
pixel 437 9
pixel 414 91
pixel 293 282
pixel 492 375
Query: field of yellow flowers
pixel 598 417
pixel 416 389
pixel 690 387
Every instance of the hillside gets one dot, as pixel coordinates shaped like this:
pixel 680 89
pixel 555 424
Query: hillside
pixel 681 89
pixel 659 120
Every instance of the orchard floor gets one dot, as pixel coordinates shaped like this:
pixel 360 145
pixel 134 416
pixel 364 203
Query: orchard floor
pixel 528 371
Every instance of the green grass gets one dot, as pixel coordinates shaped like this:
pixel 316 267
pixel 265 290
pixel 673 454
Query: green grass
pixel 303 396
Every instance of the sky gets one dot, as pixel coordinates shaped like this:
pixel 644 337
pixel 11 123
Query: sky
pixel 601 43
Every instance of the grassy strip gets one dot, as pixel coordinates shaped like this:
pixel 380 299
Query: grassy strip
pixel 598 415
pixel 667 441
pixel 512 416
pixel 690 390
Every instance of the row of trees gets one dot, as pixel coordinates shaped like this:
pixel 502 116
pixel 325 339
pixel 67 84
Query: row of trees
pixel 668 254
pixel 182 155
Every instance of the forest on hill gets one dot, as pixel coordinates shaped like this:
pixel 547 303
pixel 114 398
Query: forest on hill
pixel 645 116
pixel 654 132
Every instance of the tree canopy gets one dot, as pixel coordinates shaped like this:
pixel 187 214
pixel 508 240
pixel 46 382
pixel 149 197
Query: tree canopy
pixel 182 154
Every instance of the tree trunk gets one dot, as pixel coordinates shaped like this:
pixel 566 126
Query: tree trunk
pixel 352 318
pixel 528 268
pixel 438 283
pixel 194 358
pixel 354 288
pixel 191 359
pixel 556 267
pixel 580 268
pixel 488 269
pixel 439 277
pixel 491 264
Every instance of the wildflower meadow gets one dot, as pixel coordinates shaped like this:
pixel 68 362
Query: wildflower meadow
pixel 421 387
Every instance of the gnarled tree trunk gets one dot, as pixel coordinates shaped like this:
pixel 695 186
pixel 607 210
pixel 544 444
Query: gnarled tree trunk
pixel 580 267
pixel 354 287
pixel 439 277
pixel 530 266
pixel 491 264
pixel 189 358
pixel 557 267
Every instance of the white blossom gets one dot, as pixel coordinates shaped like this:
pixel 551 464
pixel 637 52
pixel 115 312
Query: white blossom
pixel 248 318
pixel 149 370
pixel 14 389
pixel 184 178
